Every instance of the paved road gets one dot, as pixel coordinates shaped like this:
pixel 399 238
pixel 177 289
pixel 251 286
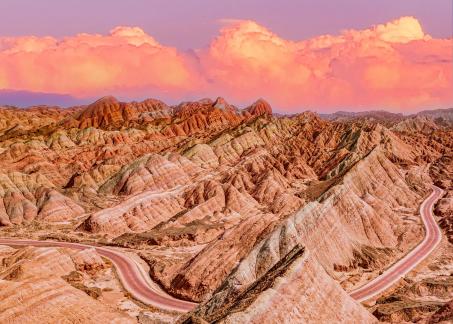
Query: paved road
pixel 132 276
pixel 138 283
pixel 433 236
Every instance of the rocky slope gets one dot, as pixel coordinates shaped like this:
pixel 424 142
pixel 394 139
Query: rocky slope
pixel 28 197
pixel 214 198
pixel 36 287
pixel 287 286
pixel 422 293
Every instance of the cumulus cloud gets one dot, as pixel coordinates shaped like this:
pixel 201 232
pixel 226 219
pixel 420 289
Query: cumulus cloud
pixel 127 61
pixel 394 65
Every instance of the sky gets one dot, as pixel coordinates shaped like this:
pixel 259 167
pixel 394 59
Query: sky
pixel 317 54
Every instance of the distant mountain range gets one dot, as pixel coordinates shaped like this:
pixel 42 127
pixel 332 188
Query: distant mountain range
pixel 443 117
pixel 27 98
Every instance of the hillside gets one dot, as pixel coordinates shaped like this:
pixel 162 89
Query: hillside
pixel 221 202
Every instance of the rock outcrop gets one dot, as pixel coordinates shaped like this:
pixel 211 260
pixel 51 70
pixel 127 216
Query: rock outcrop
pixel 33 289
pixel 294 286
pixel 108 112
pixel 24 198
pixel 260 107
pixel 216 197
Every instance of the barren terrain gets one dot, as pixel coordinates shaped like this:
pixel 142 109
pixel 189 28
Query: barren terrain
pixel 239 210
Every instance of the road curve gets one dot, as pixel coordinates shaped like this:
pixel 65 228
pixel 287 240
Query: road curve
pixel 139 285
pixel 432 238
pixel 131 275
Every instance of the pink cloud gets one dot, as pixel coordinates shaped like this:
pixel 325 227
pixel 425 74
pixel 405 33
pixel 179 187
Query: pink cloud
pixel 394 65
pixel 367 68
pixel 128 61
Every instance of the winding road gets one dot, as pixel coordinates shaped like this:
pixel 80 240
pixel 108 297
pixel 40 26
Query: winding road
pixel 131 274
pixel 432 238
pixel 137 282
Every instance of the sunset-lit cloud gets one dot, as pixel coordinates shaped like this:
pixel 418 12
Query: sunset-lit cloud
pixel 389 66
pixel 393 66
pixel 128 61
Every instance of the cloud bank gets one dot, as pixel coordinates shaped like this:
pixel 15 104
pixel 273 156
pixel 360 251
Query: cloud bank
pixel 392 66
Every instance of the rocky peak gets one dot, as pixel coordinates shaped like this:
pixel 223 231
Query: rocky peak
pixel 424 124
pixel 101 113
pixel 205 101
pixel 220 103
pixel 109 113
pixel 106 100
pixel 260 107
